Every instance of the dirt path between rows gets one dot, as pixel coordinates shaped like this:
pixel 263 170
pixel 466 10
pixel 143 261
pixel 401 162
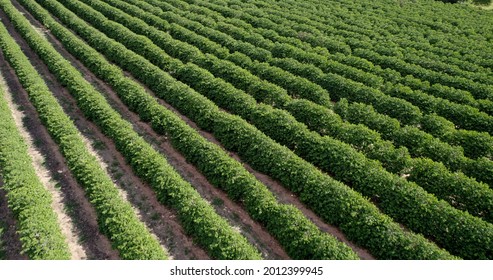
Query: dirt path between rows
pixel 95 244
pixel 236 215
pixel 161 221
pixel 10 244
pixel 49 182
pixel 218 198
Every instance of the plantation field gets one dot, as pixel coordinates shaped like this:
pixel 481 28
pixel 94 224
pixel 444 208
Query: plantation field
pixel 229 129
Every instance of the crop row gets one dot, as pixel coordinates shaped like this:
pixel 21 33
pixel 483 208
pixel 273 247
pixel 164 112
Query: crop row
pixel 283 128
pixel 405 25
pixel 465 116
pixel 299 236
pixel 37 223
pixel 475 144
pixel 333 83
pixel 197 216
pixel 296 86
pixel 447 37
pixel 402 33
pixel 373 73
pixel 438 45
pixel 116 217
pixel 331 200
pixel 401 65
pixel 333 63
pixel 370 76
pixel 477 198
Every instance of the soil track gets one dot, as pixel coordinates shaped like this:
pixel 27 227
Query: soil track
pixel 283 195
pixel 223 205
pixel 95 244
pixel 49 182
pixel 237 216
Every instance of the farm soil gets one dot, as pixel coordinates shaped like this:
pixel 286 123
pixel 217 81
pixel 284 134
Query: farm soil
pixel 237 217
pixel 256 234
pixel 48 181
pixel 95 244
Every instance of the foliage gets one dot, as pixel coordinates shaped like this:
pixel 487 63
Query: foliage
pixel 115 217
pixel 410 128
pixel 30 202
pixel 218 167
pixel 208 116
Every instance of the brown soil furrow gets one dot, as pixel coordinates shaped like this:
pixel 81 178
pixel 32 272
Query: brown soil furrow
pixel 218 198
pixel 233 212
pixel 282 194
pixel 162 221
pixel 95 244
pixel 47 179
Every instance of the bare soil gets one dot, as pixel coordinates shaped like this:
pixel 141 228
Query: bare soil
pixel 95 244
pixel 161 221
pixel 50 183
pixel 237 217
pixel 256 234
